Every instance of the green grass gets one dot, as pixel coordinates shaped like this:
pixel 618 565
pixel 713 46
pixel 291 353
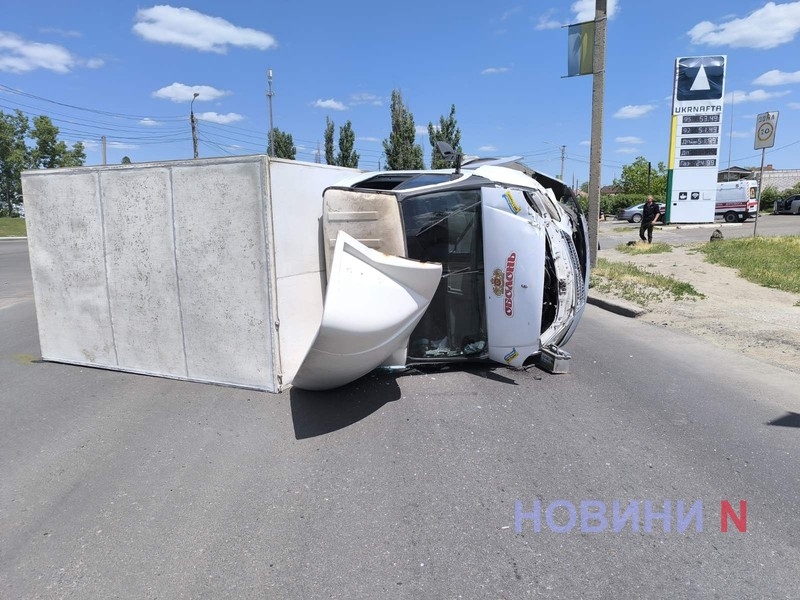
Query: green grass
pixel 772 262
pixel 12 227
pixel 644 248
pixel 636 285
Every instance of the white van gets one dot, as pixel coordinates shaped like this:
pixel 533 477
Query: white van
pixel 737 200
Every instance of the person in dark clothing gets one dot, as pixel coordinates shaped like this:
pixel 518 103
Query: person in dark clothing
pixel 650 215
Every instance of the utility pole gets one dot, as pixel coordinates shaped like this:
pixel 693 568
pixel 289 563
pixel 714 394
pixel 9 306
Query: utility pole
pixel 194 123
pixel 103 142
pixel 596 152
pixel 730 134
pixel 563 155
pixel 270 94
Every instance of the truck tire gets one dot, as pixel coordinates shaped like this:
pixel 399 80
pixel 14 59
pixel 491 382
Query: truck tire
pixel 730 217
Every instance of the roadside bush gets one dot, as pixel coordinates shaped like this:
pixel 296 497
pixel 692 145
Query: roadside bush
pixel 768 197
pixel 584 202
pixel 614 204
pixel 770 194
pixel 4 211
pixel 611 204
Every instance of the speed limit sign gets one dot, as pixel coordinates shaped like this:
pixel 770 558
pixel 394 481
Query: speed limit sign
pixel 766 123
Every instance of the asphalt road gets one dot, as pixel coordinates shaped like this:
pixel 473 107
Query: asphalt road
pixel 124 486
pixel 613 232
pixel 15 272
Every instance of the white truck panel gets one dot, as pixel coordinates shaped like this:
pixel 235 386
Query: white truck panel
pixel 170 268
pixel 298 254
pixel 296 216
pixel 224 272
pixel 140 270
pixel 300 304
pixel 65 243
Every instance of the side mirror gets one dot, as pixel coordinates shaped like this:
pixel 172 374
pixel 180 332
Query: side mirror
pixel 447 152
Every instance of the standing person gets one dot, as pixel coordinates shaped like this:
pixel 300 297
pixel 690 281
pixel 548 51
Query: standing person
pixel 650 215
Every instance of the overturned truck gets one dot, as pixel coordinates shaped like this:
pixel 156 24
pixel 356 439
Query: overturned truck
pixel 265 273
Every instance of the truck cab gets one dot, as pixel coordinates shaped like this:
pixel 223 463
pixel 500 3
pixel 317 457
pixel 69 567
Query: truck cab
pixel 513 250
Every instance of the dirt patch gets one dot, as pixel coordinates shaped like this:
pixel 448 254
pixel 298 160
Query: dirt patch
pixel 738 315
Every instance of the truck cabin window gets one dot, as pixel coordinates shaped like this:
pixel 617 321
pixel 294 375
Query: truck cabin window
pixel 445 227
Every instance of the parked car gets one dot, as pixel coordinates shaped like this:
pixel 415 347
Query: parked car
pixel 788 206
pixel 633 214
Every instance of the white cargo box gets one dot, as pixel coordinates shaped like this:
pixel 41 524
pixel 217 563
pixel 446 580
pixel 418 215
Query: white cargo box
pixel 206 270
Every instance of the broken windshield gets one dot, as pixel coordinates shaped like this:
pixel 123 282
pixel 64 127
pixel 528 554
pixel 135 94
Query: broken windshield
pixel 445 227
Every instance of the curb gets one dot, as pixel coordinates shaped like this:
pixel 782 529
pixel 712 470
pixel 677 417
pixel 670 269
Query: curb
pixel 662 226
pixel 704 225
pixel 13 238
pixel 615 305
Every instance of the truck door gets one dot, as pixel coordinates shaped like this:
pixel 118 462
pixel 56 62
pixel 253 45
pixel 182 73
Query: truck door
pixel 372 303
pixel 514 259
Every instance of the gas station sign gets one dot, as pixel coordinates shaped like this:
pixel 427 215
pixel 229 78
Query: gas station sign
pixel 695 138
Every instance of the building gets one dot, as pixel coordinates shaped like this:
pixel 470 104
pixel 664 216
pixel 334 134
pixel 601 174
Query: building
pixel 780 179
pixel 734 174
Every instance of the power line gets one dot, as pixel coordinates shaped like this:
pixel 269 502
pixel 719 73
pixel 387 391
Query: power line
pixel 81 108
pixel 789 145
pixel 103 123
pixel 91 124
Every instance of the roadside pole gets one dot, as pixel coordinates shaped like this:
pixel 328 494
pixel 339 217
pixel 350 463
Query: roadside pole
pixel 596 149
pixel 766 124
pixel 758 195
pixel 586 55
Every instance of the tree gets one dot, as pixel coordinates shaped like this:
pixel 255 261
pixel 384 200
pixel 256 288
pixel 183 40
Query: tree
pixel 126 160
pixel 330 159
pixel 400 148
pixel 347 156
pixel 16 156
pixel 50 152
pixel 633 179
pixel 283 146
pixel 13 156
pixel 447 131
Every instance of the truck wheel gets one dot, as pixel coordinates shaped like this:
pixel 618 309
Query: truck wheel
pixel 730 217
pixel 637 218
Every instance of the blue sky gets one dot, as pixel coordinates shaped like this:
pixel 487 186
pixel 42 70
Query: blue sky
pixel 129 70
